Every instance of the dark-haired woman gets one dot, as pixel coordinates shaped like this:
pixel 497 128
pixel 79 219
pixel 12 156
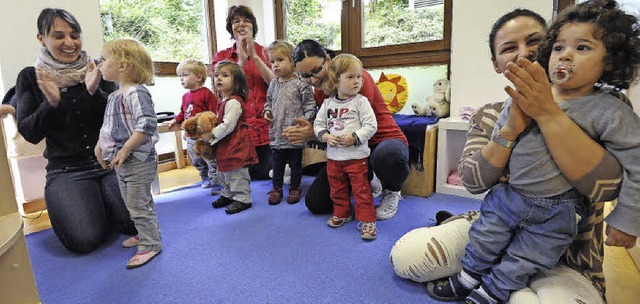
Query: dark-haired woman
pixel 62 100
pixel 389 157
pixel 243 27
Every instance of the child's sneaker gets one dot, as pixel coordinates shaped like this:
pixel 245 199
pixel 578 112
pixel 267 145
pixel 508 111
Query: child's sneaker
pixel 368 230
pixel 275 196
pixel 131 242
pixel 336 222
pixel 142 258
pixel 205 184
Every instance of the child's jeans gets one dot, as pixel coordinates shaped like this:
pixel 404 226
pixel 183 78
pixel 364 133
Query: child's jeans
pixel 518 236
pixel 280 159
pixel 135 177
pixel 208 169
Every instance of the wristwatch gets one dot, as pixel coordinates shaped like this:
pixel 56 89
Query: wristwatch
pixel 497 138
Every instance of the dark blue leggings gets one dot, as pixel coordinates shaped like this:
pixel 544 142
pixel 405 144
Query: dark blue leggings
pixel 389 160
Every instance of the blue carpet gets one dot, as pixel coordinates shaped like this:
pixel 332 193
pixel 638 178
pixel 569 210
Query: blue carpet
pixel 267 254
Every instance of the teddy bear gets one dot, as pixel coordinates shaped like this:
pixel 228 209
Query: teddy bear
pixel 195 126
pixel 438 102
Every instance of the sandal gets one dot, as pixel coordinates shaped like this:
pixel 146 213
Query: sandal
pixel 142 258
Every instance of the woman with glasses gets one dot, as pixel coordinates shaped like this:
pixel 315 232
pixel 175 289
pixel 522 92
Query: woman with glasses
pixel 389 158
pixel 243 27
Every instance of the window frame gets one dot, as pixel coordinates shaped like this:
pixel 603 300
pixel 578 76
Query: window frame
pixel 402 55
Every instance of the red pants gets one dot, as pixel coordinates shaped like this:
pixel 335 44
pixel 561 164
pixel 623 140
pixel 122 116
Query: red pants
pixel 354 172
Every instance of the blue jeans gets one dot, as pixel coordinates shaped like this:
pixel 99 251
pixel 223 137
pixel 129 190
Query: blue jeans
pixel 208 169
pixel 280 159
pixel 84 204
pixel 135 177
pixel 389 160
pixel 518 236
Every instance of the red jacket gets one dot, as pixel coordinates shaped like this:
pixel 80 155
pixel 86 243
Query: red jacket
pixel 234 150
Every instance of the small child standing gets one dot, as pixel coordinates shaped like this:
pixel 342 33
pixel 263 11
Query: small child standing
pixel 345 122
pixel 234 149
pixel 192 74
pixel 527 224
pixel 127 139
pixel 287 98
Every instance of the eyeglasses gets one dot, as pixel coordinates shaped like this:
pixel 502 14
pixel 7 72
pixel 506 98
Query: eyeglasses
pixel 315 72
pixel 236 21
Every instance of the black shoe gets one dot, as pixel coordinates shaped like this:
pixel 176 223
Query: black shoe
pixel 236 207
pixel 448 289
pixel 442 216
pixel 221 202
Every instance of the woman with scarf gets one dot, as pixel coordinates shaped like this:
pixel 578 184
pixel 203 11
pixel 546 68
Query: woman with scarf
pixel 62 100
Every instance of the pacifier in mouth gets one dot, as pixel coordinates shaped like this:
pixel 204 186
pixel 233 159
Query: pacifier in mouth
pixel 560 73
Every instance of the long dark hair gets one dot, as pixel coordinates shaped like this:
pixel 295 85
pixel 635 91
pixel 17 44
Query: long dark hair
pixel 48 15
pixel 618 31
pixel 519 12
pixel 310 48
pixel 240 86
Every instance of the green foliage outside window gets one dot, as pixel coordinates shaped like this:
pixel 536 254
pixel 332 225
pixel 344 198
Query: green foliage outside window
pixel 304 21
pixel 171 30
pixel 393 22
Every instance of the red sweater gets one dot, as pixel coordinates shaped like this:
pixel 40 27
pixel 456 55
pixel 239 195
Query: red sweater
pixel 194 102
pixel 387 127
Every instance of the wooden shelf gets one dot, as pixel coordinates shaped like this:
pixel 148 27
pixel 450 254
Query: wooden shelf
pixel 10 230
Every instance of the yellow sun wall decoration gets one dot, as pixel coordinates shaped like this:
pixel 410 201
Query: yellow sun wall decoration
pixel 394 91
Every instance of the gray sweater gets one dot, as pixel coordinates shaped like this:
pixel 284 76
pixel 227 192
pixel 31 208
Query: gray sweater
pixel 287 100
pixel 608 121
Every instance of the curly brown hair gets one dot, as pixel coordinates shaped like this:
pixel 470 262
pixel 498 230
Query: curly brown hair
pixel 618 31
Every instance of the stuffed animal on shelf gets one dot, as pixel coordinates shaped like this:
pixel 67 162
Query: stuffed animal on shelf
pixel 438 102
pixel 197 125
pixel 394 91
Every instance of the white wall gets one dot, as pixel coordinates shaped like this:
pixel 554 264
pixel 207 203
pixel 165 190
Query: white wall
pixel 18 32
pixel 473 79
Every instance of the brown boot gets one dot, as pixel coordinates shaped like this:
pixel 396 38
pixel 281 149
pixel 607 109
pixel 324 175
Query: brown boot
pixel 275 196
pixel 294 195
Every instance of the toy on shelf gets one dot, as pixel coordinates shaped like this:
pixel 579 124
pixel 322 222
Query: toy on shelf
pixel 438 103
pixel 394 91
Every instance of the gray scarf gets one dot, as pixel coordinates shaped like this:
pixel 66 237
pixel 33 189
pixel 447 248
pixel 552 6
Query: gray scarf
pixel 63 74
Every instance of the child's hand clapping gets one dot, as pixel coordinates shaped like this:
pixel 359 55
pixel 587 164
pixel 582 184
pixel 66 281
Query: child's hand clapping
pixel 331 140
pixel 268 117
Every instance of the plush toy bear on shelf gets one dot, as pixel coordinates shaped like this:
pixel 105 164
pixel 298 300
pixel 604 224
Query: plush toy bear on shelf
pixel 197 125
pixel 438 102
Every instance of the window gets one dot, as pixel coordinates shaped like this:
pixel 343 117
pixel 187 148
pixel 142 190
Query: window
pixel 171 30
pixel 380 32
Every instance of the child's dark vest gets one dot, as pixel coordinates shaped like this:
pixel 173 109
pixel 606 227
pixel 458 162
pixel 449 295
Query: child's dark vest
pixel 236 149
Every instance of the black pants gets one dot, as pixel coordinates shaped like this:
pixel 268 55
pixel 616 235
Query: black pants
pixel 280 159
pixel 260 171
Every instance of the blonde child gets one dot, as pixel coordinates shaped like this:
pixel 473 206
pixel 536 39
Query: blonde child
pixel 234 151
pixel 127 140
pixel 526 224
pixel 192 74
pixel 345 122
pixel 287 98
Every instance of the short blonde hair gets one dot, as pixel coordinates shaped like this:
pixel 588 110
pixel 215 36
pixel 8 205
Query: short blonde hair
pixel 132 52
pixel 282 47
pixel 194 66
pixel 339 65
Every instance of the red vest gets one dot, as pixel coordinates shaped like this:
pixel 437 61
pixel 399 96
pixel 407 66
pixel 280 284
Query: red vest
pixel 236 149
